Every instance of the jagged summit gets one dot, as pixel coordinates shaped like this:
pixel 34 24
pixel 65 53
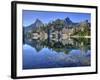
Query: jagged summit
pixel 68 21
pixel 37 20
pixel 38 23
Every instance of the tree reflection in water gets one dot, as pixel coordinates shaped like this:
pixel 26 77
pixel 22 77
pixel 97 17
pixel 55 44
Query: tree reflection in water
pixel 52 53
pixel 64 45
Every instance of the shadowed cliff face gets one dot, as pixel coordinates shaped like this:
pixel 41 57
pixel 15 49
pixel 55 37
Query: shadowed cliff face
pixel 68 21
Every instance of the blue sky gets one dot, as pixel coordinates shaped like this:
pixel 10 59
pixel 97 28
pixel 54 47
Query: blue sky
pixel 30 16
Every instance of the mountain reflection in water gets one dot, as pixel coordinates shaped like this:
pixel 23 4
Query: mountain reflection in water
pixel 49 53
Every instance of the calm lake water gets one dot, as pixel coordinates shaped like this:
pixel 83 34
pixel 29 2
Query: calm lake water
pixel 72 52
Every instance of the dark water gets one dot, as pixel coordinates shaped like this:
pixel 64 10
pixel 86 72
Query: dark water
pixel 71 52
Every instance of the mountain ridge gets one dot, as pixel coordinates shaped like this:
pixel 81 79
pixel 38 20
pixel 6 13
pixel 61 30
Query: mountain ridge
pixel 66 23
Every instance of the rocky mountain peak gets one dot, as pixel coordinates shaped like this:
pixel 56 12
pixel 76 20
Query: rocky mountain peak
pixel 68 21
